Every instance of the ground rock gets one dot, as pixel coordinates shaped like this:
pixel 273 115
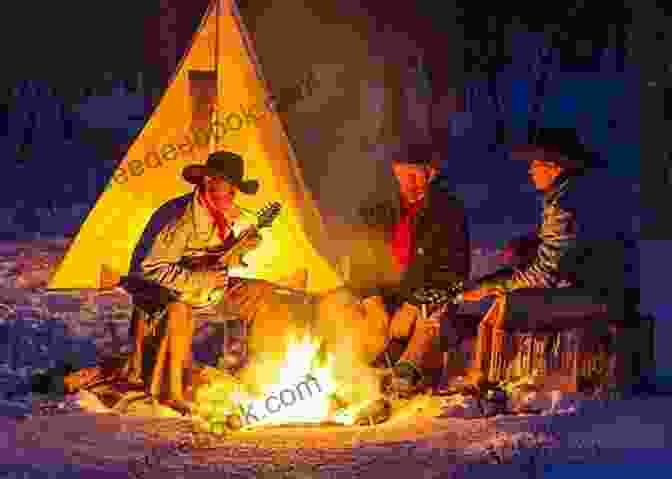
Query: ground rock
pixel 533 402
pixel 460 406
pixel 567 403
pixel 493 408
pixel 89 402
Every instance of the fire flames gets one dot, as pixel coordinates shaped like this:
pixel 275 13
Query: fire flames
pixel 307 392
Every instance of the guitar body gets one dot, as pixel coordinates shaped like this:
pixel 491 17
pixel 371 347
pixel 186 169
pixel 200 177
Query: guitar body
pixel 212 260
pixel 230 254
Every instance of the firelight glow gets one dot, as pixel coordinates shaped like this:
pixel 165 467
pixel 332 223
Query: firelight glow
pixel 303 394
pixel 293 403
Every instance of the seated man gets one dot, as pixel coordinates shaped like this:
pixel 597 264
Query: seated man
pixel 427 236
pixel 520 251
pixel 556 159
pixel 206 223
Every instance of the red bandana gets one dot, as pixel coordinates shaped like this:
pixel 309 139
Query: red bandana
pixel 223 221
pixel 403 240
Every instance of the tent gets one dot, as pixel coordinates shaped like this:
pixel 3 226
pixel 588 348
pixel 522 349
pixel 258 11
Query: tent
pixel 337 99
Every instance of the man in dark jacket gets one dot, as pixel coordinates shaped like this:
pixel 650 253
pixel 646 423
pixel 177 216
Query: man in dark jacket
pixel 426 236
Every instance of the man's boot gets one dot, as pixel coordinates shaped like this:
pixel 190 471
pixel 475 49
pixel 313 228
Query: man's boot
pixel 493 320
pixel 477 372
pixel 168 374
pixel 410 374
pixel 402 381
pixel 132 370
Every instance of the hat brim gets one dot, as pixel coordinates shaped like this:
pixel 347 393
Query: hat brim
pixel 195 173
pixel 582 159
pixel 522 150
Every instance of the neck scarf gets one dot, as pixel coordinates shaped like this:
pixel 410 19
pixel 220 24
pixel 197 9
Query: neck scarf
pixel 224 221
pixel 403 241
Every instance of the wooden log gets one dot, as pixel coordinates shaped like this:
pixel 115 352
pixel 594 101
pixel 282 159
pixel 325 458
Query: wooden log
pixel 81 378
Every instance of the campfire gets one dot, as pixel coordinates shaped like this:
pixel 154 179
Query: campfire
pixel 306 393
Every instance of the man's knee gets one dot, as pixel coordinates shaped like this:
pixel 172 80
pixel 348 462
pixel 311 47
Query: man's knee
pixel 339 303
pixel 339 297
pixel 403 321
pixel 179 307
pixel 258 290
pixel 179 314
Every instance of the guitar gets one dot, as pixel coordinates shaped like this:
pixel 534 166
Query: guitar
pixel 220 257
pixel 231 255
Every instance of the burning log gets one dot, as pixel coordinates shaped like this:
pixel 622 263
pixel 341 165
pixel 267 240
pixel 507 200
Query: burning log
pixel 376 412
pixel 234 422
pixel 302 425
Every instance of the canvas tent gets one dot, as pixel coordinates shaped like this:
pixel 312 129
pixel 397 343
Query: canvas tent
pixel 338 99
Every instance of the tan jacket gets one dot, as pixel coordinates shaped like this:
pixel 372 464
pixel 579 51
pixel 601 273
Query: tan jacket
pixel 184 237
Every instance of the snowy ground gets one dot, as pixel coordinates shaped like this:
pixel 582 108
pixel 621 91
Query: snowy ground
pixel 624 433
pixel 628 432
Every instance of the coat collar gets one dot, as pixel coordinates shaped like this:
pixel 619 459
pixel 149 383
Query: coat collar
pixel 560 187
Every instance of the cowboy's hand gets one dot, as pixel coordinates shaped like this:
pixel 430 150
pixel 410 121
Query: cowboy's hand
pixel 432 323
pixel 219 278
pixel 480 293
pixel 252 241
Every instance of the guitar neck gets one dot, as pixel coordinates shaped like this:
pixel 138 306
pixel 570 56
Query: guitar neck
pixel 232 249
pixel 246 233
pixel 253 229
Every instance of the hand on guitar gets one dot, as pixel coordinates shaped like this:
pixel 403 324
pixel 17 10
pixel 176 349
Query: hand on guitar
pixel 480 293
pixel 432 323
pixel 246 243
pixel 219 278
pixel 251 241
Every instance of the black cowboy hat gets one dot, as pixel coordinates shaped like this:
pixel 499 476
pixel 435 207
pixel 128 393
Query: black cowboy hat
pixel 419 154
pixel 563 141
pixel 225 164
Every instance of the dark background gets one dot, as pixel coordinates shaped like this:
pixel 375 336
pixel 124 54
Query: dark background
pixel 489 54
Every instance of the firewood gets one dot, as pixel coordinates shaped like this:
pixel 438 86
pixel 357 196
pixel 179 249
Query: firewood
pixel 80 379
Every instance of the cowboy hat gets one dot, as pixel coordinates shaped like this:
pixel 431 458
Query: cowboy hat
pixel 564 142
pixel 225 164
pixel 418 154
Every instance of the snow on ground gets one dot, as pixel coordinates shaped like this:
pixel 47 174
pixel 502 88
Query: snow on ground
pixel 627 432
pixel 624 432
